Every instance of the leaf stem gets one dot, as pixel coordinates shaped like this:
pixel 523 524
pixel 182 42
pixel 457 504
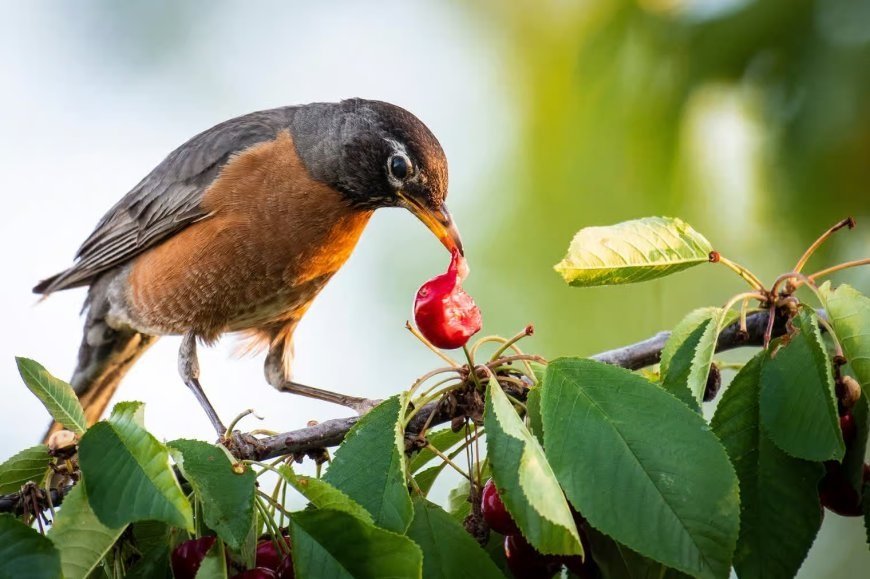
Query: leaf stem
pixel 744 273
pixel 848 222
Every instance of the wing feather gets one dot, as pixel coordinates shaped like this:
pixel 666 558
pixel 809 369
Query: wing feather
pixel 167 200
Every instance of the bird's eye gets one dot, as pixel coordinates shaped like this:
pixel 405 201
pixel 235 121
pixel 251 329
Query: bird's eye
pixel 400 166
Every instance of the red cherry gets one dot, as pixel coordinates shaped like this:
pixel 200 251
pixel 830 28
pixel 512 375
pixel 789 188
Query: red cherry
pixel 848 427
pixel 444 313
pixel 837 494
pixel 525 562
pixel 188 556
pixel 285 569
pixel 494 512
pixel 256 573
pixel 268 555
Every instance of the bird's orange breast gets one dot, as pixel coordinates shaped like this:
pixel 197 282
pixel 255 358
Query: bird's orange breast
pixel 272 239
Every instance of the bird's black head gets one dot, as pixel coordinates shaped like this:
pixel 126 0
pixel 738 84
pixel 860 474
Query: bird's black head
pixel 377 155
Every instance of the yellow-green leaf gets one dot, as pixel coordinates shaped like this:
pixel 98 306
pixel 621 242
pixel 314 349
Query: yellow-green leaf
pixel 632 251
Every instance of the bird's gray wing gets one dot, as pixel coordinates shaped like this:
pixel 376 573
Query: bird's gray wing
pixel 167 200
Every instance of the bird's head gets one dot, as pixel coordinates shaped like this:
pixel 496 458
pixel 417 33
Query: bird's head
pixel 379 155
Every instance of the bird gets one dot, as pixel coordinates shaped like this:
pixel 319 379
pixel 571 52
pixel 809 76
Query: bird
pixel 236 232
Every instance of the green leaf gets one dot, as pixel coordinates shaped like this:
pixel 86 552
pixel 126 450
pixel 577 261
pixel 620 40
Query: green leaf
pixel 29 465
pixel 214 566
pixel 448 550
pixel 426 478
pixel 525 480
pixel 127 474
pixel 849 314
pixel 154 564
pixel 458 505
pixel 853 460
pixel 640 465
pixel 632 251
pixel 26 553
pixel 617 561
pixel 56 395
pixel 80 537
pixel 323 495
pixel 369 466
pixel 334 544
pixel 798 404
pixel 533 413
pixel 227 496
pixel 442 440
pixel 780 513
pixel 688 354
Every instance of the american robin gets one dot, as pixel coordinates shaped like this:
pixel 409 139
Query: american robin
pixel 238 230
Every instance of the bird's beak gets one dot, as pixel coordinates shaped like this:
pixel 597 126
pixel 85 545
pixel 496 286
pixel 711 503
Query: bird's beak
pixel 439 221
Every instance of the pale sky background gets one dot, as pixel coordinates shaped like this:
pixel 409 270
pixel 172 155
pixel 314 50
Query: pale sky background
pixel 88 110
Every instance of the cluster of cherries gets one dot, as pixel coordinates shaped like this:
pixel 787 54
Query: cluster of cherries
pixel 270 562
pixel 836 492
pixel 524 561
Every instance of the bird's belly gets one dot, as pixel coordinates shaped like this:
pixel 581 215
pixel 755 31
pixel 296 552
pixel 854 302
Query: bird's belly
pixel 213 279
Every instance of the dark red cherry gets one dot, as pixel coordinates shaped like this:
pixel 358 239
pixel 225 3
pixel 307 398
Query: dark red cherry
pixel 188 556
pixel 494 512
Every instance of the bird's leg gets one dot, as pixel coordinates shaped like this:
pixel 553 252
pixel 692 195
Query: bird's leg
pixel 276 376
pixel 188 367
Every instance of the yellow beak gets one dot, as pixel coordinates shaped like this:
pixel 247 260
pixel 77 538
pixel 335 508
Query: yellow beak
pixel 439 221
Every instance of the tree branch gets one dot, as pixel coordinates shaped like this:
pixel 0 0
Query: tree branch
pixel 632 357
pixel 332 432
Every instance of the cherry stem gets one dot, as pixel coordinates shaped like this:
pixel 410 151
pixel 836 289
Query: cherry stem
pixel 527 331
pixel 426 376
pixel 848 222
pixel 237 419
pixel 507 359
pixel 744 273
pixel 431 346
pixel 746 296
pixel 846 265
pixel 486 340
pixel 447 460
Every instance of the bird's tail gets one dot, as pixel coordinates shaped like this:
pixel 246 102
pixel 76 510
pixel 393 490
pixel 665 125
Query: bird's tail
pixel 105 355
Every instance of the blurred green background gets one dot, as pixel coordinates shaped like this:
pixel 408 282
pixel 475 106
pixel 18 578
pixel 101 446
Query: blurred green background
pixel 748 119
